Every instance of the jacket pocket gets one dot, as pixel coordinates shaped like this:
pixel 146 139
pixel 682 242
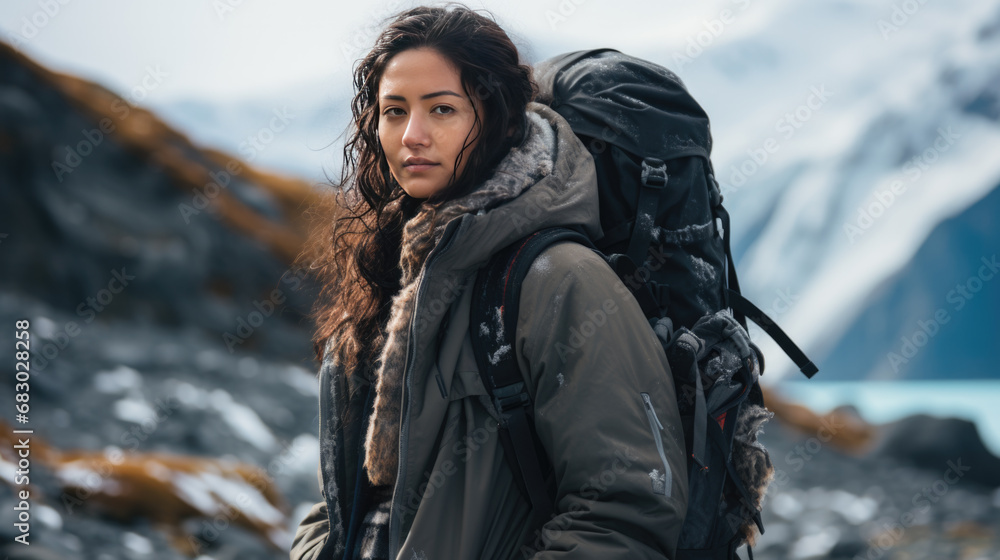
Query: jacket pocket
pixel 662 482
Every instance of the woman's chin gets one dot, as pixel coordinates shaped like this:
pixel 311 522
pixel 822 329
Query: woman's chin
pixel 421 189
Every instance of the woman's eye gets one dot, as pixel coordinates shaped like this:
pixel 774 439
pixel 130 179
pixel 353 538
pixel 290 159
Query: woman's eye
pixel 389 111
pixel 445 107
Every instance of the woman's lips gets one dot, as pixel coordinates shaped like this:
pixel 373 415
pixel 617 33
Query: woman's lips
pixel 419 167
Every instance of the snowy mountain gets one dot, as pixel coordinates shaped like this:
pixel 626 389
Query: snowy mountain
pixel 845 133
pixel 908 139
pixel 938 314
pixel 859 127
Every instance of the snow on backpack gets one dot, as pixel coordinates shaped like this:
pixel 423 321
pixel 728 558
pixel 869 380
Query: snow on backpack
pixel 661 209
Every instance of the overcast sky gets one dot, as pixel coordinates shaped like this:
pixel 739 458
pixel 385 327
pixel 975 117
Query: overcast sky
pixel 223 48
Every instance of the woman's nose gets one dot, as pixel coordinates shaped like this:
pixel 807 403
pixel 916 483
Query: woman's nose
pixel 416 133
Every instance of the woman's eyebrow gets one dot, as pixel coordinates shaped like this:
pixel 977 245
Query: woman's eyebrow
pixel 427 96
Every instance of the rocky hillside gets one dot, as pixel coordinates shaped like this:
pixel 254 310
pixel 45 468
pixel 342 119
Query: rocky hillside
pixel 167 328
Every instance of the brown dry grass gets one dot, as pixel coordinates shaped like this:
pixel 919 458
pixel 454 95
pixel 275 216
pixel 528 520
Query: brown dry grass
pixel 125 486
pixel 846 432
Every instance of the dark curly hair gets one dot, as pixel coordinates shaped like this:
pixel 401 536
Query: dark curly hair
pixel 354 249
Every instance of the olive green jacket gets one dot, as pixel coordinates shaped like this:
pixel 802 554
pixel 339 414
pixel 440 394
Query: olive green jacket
pixel 604 399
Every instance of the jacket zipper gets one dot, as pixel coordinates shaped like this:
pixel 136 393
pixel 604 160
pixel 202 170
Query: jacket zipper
pixel 448 236
pixel 656 427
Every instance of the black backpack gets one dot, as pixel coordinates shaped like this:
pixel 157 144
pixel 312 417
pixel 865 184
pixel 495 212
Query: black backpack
pixel 661 209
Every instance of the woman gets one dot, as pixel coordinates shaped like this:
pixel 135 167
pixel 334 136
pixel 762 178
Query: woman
pixel 451 160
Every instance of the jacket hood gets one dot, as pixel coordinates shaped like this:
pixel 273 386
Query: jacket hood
pixel 547 180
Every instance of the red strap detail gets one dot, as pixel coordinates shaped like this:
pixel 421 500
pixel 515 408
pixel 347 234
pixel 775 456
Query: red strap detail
pixel 510 267
pixel 721 419
pixel 705 468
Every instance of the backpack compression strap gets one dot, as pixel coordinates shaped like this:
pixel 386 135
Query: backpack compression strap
pixel 743 309
pixel 493 321
pixel 654 179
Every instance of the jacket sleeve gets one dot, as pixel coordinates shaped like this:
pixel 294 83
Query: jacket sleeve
pixel 602 390
pixel 311 534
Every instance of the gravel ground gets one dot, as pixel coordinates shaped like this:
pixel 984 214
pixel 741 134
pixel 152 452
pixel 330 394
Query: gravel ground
pixel 828 504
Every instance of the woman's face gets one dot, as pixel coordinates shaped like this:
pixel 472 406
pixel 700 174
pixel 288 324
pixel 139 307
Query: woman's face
pixel 424 120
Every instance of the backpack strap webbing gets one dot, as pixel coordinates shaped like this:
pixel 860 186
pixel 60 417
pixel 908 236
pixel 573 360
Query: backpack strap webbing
pixel 743 309
pixel 493 322
pixel 752 312
pixel 653 179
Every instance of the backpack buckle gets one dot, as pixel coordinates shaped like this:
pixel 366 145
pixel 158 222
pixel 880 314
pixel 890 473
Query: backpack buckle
pixel 654 172
pixel 510 397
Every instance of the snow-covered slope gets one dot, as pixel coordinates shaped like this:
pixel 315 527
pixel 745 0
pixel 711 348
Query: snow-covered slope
pixel 937 317
pixel 845 131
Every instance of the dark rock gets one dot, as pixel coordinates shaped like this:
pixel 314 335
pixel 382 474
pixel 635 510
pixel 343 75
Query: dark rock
pixel 941 445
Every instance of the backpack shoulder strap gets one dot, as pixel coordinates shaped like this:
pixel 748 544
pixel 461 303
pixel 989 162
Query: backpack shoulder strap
pixel 494 316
